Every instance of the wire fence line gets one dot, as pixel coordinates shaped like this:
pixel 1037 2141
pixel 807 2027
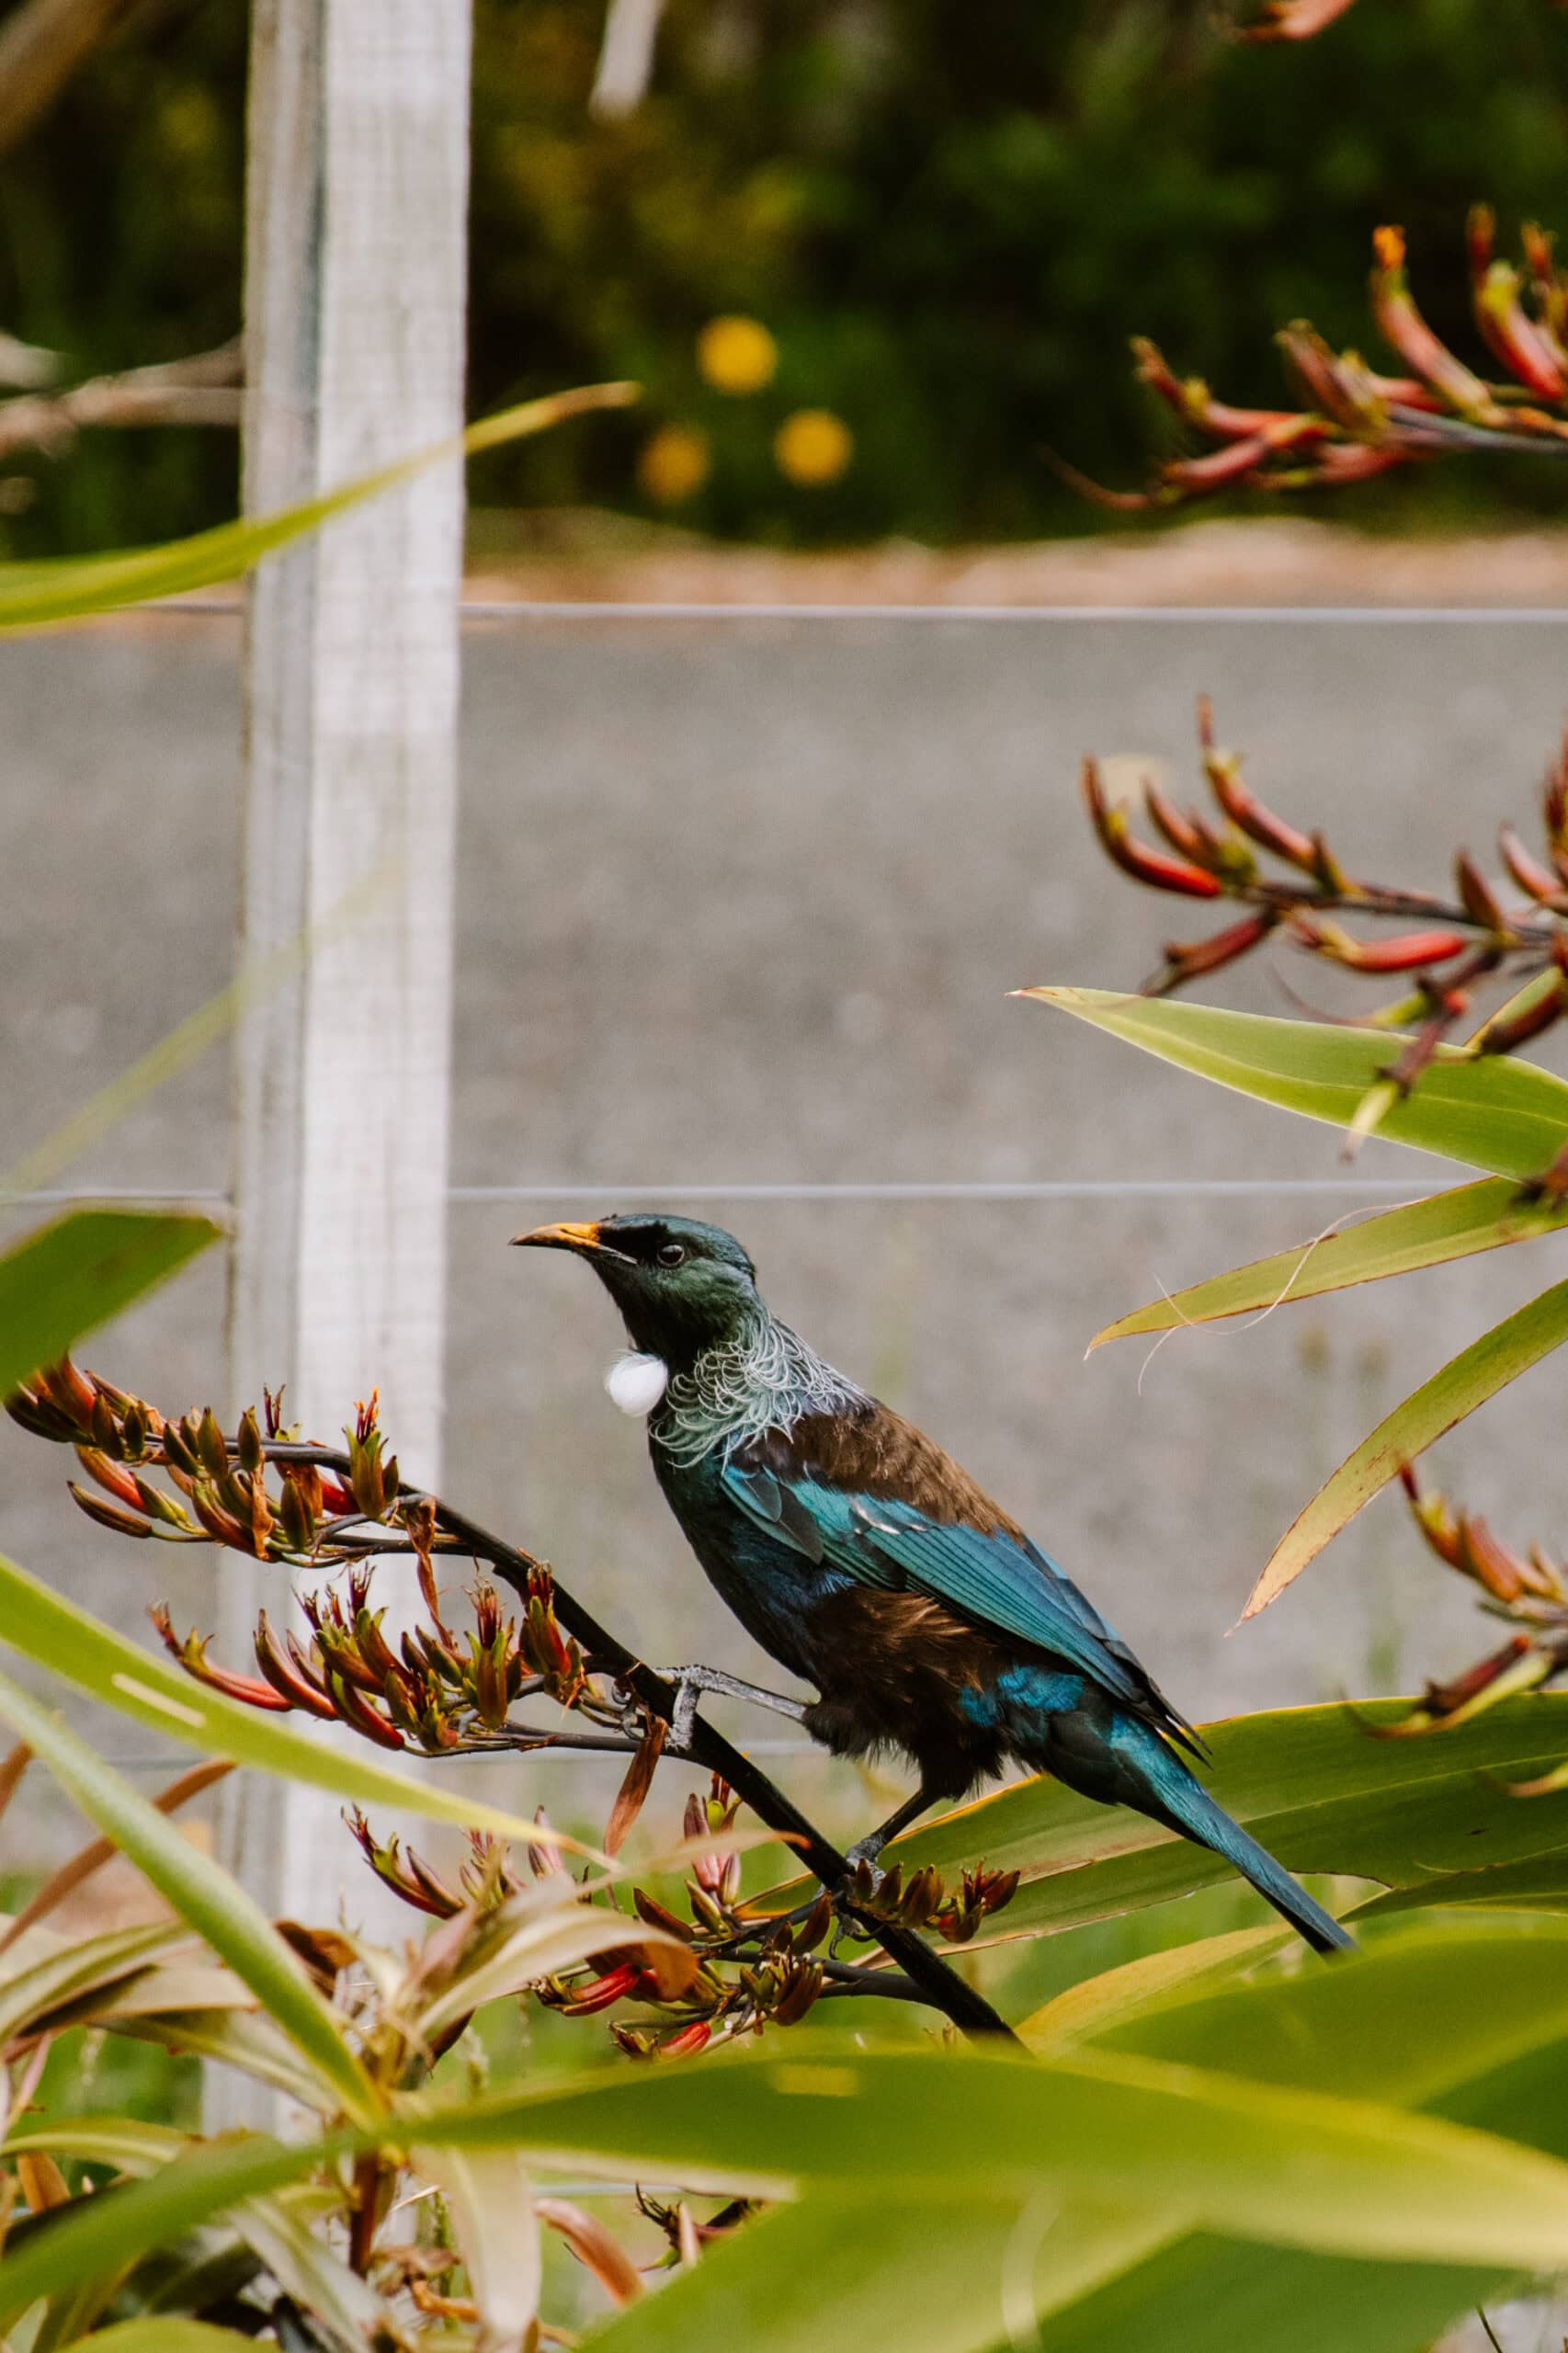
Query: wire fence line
pixel 1063 1188
pixel 522 610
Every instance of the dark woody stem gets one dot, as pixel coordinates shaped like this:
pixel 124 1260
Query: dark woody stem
pixel 1531 925
pixel 938 1984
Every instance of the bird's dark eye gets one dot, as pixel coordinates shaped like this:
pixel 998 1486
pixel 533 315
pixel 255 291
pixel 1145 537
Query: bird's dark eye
pixel 670 1253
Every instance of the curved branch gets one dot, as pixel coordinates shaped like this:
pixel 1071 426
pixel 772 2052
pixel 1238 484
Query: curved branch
pixel 937 1983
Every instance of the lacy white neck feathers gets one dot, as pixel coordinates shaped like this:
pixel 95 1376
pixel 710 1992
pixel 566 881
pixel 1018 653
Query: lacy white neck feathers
pixel 764 1381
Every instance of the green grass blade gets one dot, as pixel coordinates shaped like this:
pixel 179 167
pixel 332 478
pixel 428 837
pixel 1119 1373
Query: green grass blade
pixel 1468 1381
pixel 92 1657
pixel 77 1273
pixel 69 587
pixel 213 1904
pixel 1491 1110
pixel 1400 1240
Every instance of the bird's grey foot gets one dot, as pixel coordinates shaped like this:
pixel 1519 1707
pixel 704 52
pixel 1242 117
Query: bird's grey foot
pixel 691 1682
pixel 868 1848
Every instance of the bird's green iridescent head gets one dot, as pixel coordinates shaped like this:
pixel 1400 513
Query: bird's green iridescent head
pixel 681 1287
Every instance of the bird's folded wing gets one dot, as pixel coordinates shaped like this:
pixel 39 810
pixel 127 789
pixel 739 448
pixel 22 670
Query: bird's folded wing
pixel 987 1577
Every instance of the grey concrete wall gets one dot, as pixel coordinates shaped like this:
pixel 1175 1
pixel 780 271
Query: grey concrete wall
pixel 740 905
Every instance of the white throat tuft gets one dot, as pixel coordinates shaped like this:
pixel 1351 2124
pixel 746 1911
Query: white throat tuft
pixel 636 1383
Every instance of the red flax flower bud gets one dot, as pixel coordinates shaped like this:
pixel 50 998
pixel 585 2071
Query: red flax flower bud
pixel 1479 899
pixel 1517 1666
pixel 294 1514
pixel 105 1428
pixel 1432 1517
pixel 1444 1700
pixel 212 1446
pixel 1536 881
pixel 192 1655
pixel 1292 19
pixel 32 1411
pixel 1514 337
pixel 290 1677
pixel 632 1794
pixel 1185 959
pixel 1243 807
pixel 112 1477
pixel 123 1523
pixel 815 1924
pixel 1401 323
pixel 801 1984
pixel 1549 287
pixel 1194 404
pixel 651 1912
pixel 602 1992
pixel 1136 857
pixel 689 2041
pixel 220 1525
pixel 719 1875
pixel 1407 953
pixel 1492 1565
pixel 1182 833
pixel 71 1392
pixel 1532 1009
pixel 178 1452
pixel 356 1710
pixel 1339 388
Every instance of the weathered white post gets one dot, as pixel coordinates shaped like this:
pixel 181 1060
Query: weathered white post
pixel 354 282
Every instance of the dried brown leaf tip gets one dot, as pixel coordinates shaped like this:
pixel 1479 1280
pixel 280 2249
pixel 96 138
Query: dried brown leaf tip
pixel 1357 422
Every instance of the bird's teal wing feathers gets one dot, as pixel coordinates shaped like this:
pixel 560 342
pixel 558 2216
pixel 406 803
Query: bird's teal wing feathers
pixel 988 1577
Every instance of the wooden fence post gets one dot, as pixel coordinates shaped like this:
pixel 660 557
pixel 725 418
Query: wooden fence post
pixel 355 285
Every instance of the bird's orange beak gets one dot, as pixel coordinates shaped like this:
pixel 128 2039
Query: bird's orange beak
pixel 580 1238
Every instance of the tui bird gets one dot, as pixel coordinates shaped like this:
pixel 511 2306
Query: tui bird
pixel 869 1564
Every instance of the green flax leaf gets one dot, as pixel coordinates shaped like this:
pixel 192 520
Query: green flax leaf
pixel 1432 1816
pixel 163 2333
pixel 1299 2168
pixel 203 1895
pixel 1468 1381
pixel 77 1273
pixel 68 587
pixel 958 2273
pixel 1172 2145
pixel 1397 1241
pixel 1492 1110
pixel 91 1656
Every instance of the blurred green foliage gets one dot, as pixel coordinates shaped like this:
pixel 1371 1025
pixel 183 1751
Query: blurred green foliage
pixel 950 217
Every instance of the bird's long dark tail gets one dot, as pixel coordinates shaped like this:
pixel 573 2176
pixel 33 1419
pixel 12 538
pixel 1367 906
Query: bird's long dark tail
pixel 1149 1775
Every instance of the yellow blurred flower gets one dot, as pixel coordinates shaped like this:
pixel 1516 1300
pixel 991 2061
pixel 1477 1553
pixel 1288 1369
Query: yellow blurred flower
pixel 813 446
pixel 736 355
pixel 673 463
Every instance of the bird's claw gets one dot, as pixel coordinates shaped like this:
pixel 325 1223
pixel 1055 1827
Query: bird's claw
pixel 684 1714
pixel 860 1887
